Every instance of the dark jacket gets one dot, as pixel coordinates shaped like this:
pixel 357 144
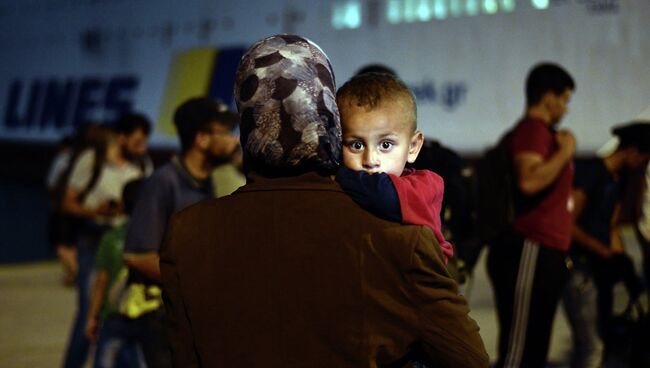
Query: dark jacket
pixel 291 272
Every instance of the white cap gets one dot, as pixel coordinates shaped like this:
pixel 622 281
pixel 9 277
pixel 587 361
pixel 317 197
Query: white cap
pixel 612 144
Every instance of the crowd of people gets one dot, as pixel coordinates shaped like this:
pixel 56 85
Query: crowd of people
pixel 327 247
pixel 109 215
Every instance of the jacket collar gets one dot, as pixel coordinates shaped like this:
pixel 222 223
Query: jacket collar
pixel 308 181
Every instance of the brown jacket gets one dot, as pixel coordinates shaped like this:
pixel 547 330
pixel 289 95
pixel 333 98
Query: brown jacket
pixel 290 272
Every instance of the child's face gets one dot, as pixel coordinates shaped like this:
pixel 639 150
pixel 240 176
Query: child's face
pixel 379 140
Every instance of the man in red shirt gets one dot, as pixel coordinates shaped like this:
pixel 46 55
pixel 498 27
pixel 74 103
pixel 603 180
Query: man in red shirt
pixel 527 266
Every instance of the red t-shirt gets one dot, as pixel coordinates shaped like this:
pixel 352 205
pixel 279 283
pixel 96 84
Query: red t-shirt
pixel 548 221
pixel 420 194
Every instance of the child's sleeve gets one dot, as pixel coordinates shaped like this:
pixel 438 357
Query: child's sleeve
pixel 375 192
pixel 420 194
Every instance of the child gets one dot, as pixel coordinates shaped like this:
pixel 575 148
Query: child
pixel 378 117
pixel 115 346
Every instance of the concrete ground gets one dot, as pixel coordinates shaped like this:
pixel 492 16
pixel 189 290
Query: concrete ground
pixel 36 313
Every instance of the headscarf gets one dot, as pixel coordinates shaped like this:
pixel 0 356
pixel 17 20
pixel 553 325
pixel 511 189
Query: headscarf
pixel 285 92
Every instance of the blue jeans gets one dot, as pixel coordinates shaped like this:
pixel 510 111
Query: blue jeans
pixel 78 345
pixel 117 346
pixel 581 305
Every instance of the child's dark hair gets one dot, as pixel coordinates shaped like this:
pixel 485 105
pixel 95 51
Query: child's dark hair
pixel 547 77
pixel 371 89
pixel 376 68
pixel 197 114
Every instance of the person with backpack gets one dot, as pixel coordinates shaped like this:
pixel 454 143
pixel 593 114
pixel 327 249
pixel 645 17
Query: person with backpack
pixel 61 226
pixel 597 246
pixel 644 225
pixel 527 262
pixel 92 195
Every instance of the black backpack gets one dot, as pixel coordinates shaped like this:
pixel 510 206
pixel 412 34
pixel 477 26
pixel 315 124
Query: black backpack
pixel 495 180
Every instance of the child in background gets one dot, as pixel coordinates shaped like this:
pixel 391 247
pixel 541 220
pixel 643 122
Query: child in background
pixel 378 117
pixel 111 330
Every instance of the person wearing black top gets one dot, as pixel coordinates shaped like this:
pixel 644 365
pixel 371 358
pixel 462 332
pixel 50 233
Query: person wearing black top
pixel 596 243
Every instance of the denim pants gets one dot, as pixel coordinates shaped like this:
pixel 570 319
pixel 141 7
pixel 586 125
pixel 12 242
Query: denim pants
pixel 581 305
pixel 117 344
pixel 78 345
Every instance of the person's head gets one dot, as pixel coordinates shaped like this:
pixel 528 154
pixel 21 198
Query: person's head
pixel 634 143
pixel 549 86
pixel 97 137
pixel 93 136
pixel 204 124
pixel 289 119
pixel 379 119
pixel 132 132
pixel 130 195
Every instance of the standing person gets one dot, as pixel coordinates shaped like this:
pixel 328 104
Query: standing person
pixel 93 194
pixel 133 131
pixel 205 130
pixel 527 266
pixel 61 226
pixel 289 271
pixel 116 346
pixel 643 227
pixel 597 197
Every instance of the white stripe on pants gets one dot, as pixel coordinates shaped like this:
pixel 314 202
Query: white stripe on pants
pixel 522 296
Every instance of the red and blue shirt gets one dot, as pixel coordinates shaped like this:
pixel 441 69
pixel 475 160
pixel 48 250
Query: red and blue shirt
pixel 414 198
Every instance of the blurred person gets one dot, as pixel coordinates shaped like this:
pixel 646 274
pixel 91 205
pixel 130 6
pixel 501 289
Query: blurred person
pixel 61 227
pixel 527 265
pixel 597 195
pixel 379 122
pixel 289 271
pixel 643 227
pixel 228 177
pixel 93 195
pixel 643 222
pixel 133 132
pixel 114 334
pixel 205 129
pixel 457 212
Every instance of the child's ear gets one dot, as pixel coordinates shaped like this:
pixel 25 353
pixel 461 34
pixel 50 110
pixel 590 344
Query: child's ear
pixel 417 140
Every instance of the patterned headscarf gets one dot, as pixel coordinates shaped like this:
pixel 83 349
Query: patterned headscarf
pixel 285 93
